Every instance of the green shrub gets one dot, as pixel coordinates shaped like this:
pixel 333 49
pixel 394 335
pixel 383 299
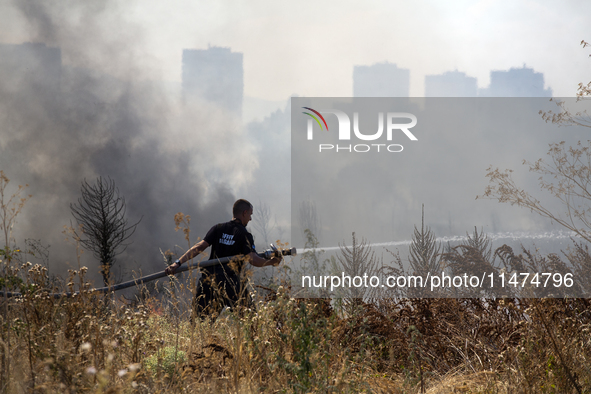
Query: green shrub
pixel 165 361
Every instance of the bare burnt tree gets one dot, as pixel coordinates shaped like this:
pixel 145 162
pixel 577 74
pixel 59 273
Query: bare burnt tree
pixel 100 213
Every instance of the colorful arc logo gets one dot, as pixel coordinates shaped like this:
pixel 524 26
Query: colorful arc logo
pixel 315 118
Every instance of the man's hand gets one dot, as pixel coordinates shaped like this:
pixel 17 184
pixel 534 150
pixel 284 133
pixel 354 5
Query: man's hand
pixel 275 261
pixel 172 268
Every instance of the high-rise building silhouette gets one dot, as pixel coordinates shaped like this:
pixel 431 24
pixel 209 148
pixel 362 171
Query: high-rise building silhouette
pixel 30 68
pixel 516 82
pixel 450 84
pixel 216 75
pixel 381 80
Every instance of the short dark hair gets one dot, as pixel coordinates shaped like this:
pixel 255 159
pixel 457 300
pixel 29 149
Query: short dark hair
pixel 240 206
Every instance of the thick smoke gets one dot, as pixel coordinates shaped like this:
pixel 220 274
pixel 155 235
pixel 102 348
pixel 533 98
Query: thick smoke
pixel 76 104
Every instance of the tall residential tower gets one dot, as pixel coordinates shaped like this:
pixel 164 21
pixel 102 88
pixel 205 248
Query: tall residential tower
pixel 381 80
pixel 216 75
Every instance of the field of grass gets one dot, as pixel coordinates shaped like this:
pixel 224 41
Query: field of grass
pixel 100 343
pixel 97 344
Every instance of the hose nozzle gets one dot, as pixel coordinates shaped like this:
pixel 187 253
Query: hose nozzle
pixel 275 252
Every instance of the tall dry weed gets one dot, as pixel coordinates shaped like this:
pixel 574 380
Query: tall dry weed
pixel 278 343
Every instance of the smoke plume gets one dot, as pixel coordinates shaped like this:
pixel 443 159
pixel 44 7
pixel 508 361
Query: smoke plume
pixel 76 103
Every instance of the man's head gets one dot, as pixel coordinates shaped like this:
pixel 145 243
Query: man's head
pixel 242 210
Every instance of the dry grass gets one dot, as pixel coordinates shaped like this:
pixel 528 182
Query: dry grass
pixel 94 344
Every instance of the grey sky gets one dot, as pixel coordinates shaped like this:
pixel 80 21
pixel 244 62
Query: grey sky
pixel 309 48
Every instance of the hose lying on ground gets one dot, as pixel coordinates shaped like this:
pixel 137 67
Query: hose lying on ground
pixel 133 282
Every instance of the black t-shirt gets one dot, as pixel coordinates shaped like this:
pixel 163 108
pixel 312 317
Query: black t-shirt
pixel 229 239
pixel 226 240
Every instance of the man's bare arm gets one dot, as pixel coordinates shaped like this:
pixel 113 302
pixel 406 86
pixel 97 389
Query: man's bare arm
pixel 194 251
pixel 199 247
pixel 258 261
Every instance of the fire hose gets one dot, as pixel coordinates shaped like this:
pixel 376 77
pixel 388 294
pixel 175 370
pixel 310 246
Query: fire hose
pixel 148 278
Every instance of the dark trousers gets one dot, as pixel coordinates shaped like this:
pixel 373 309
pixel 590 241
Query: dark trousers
pixel 218 288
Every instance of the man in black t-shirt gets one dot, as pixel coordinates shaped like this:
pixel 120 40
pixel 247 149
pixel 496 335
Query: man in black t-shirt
pixel 220 285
